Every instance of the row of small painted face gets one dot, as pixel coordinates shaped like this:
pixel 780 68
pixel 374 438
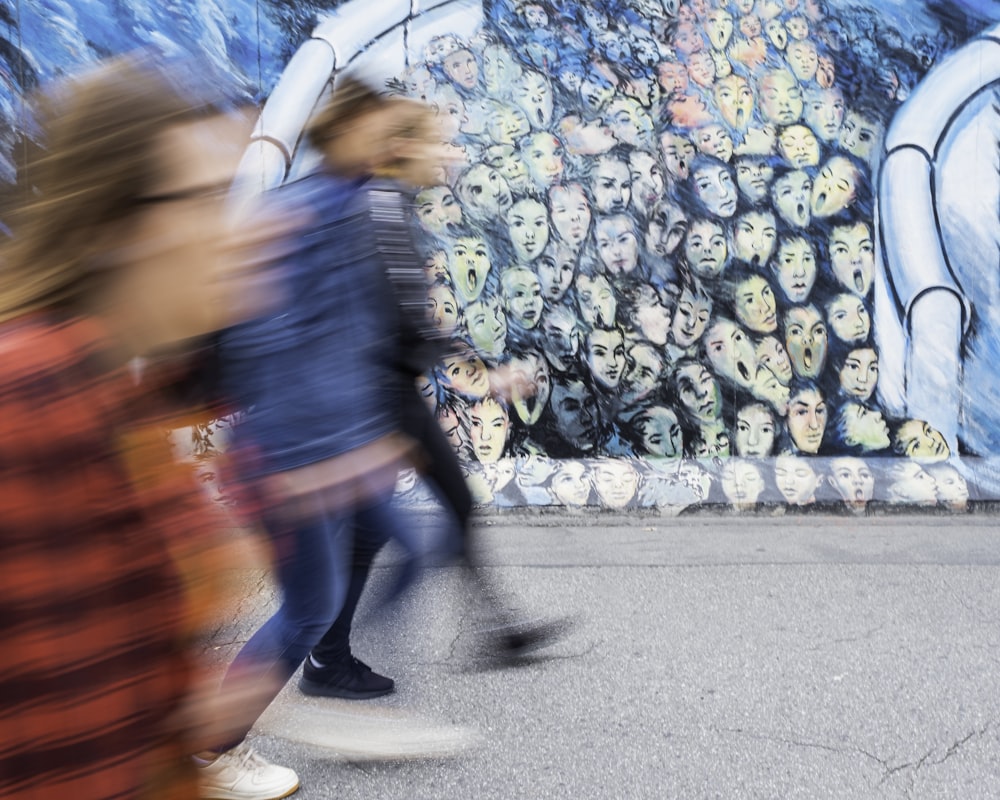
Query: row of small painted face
pixel 619 483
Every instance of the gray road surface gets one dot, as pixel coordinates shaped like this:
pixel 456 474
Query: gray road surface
pixel 714 657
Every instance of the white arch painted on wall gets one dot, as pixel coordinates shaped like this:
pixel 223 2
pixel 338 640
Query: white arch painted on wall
pixel 375 38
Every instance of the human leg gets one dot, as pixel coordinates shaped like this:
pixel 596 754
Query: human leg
pixel 332 670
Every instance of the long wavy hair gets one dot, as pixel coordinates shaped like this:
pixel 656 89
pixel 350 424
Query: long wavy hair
pixel 100 130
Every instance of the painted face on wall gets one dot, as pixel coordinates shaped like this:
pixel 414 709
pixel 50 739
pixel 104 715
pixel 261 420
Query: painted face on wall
pixel 705 249
pixel 714 140
pixel 466 374
pixel 861 136
pixel 543 156
pixel 469 266
pixel 500 69
pixel 615 482
pixel 755 304
pixel 643 372
pixel 436 268
pixel 755 431
pixel 528 228
pixel 807 416
pixel 826 72
pixel 451 115
pixel 859 374
pixel 796 480
pixel 570 484
pixel 647 180
pixel 617 244
pixel 777 34
pixel 754 237
pixel 651 317
pixel 824 113
pixel 730 352
pixel 701 68
pixel 672 77
pixel 719 27
pixel 920 441
pixel 484 192
pixel 723 66
pixel 735 101
pixel 487 325
pixel 741 483
pixel 912 485
pixel 769 389
pixel 612 185
pixel 585 137
pixel 535 16
pixel 437 210
pixel 791 195
pixel 595 92
pixel 530 392
pixel 750 26
pixel 690 319
pixel 802 58
pixel 864 427
pixel 753 178
pixel 443 309
pixel 506 124
pixel 715 187
pixel 522 293
pixel 951 488
pixel 835 188
pixel 698 392
pixel 560 337
pixel 805 340
pixel 606 356
pixel 575 410
pixel 799 146
pixel 488 427
pixel 798 27
pixel 556 270
pixel 848 318
pixel 772 355
pixel 570 213
pixel 628 122
pixel 532 93
pixel 660 431
pixel 852 257
pixel 507 161
pixel 795 268
pixel 780 98
pixel 461 68
pixel 665 229
pixel 596 301
pixel 853 481
pixel 688 39
pixel 712 439
pixel 677 154
pixel 454 429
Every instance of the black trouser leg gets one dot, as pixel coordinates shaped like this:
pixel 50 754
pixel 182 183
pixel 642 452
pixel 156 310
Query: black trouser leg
pixel 335 646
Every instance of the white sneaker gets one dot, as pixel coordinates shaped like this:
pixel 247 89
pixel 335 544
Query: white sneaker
pixel 241 774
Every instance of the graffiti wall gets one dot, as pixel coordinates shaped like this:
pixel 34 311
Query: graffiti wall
pixel 734 264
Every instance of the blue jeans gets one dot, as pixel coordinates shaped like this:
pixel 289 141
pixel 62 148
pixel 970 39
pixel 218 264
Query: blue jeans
pixel 313 571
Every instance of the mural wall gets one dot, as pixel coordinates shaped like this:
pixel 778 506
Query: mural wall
pixel 678 221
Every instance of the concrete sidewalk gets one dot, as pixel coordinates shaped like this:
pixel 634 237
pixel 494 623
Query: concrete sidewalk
pixel 714 657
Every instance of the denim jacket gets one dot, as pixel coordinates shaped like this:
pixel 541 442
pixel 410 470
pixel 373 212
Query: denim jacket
pixel 315 375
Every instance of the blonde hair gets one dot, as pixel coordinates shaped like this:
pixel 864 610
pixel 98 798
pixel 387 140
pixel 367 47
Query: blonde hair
pixel 100 133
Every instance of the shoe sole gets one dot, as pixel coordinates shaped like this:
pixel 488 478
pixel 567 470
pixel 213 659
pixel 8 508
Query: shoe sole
pixel 222 794
pixel 314 689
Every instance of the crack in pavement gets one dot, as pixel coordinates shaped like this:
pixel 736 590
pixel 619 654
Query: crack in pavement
pixel 911 768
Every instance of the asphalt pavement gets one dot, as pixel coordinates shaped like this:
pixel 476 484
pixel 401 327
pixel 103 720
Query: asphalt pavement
pixel 712 657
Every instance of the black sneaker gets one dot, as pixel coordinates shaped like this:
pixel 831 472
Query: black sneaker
pixel 350 680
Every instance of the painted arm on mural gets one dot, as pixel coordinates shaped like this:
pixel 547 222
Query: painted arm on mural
pixel 937 226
